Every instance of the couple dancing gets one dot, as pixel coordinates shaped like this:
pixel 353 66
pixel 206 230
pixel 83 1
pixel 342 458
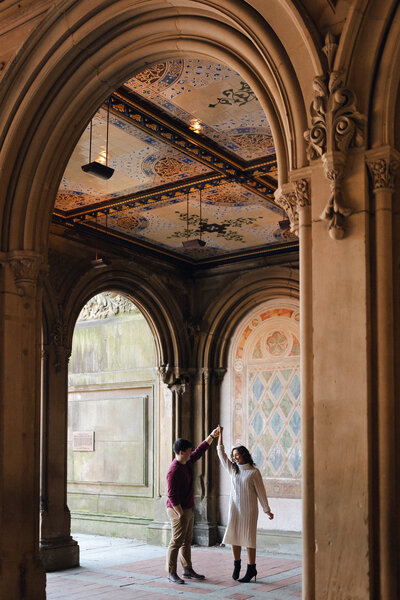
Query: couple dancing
pixel 246 487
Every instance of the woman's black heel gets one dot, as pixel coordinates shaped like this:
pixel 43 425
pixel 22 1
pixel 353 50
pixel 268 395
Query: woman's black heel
pixel 236 568
pixel 250 573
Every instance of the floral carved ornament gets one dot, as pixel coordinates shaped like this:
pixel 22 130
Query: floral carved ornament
pixel 336 126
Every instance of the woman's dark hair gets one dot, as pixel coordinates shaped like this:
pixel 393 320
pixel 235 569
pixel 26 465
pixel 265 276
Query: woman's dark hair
pixel 181 445
pixel 246 455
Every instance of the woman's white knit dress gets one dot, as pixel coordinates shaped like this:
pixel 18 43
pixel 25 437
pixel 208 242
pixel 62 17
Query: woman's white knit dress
pixel 246 486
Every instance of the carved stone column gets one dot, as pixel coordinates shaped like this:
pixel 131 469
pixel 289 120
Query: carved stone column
pixel 158 532
pixel 205 401
pixel 22 574
pixel 382 164
pixel 57 548
pixel 302 192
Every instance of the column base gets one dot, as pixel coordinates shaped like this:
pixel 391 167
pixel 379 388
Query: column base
pixel 59 554
pixel 158 533
pixel 205 534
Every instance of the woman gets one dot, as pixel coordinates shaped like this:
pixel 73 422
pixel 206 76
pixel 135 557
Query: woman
pixel 246 486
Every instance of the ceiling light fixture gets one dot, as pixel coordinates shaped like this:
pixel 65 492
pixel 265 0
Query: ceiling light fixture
pixel 97 168
pixel 196 242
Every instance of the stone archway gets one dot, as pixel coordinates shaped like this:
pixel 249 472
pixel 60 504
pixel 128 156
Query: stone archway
pixel 65 69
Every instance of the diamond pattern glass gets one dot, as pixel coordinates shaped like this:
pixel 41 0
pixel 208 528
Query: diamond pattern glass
pixel 257 423
pixel 295 423
pixel 295 459
pixel 258 457
pixel 276 387
pixel 276 458
pixel 286 405
pixel 258 388
pixel 295 386
pixel 276 423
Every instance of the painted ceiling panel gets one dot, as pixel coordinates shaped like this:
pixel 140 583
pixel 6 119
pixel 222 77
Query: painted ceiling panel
pixel 180 130
pixel 211 99
pixel 140 162
pixel 225 226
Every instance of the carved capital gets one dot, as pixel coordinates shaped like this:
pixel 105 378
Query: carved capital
pixel 383 172
pixel 28 269
pixel 164 372
pixel 286 198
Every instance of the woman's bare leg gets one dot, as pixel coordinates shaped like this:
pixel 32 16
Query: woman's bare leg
pixel 251 556
pixel 236 551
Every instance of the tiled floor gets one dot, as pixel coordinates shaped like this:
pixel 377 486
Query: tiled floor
pixel 115 569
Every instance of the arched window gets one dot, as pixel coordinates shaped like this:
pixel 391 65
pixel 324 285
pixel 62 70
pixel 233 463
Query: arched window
pixel 266 411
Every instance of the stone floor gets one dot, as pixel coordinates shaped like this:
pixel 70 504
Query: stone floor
pixel 121 569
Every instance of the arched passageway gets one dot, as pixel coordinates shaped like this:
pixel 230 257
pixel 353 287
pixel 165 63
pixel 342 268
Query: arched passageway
pixel 75 55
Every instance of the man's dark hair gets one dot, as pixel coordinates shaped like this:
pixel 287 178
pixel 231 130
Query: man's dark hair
pixel 181 445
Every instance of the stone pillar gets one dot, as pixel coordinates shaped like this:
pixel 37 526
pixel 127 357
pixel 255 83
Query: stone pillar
pixel 205 403
pixel 303 203
pixel 22 574
pixel 158 532
pixel 57 548
pixel 341 388
pixel 382 164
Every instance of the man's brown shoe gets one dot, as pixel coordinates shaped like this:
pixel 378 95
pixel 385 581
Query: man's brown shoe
pixel 191 574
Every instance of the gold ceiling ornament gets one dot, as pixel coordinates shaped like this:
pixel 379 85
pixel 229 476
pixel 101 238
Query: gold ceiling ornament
pixel 336 127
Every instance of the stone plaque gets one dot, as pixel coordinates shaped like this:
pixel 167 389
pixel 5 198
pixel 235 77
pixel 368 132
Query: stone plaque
pixel 83 441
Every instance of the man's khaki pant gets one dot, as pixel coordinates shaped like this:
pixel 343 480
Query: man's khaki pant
pixel 181 539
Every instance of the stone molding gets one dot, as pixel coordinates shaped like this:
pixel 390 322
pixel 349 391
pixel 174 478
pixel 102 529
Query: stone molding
pixel 28 269
pixel 382 165
pixel 336 126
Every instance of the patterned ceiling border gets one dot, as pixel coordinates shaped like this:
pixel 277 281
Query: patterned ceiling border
pixel 116 236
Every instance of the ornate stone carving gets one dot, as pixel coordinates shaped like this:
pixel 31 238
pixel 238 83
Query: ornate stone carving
pixel 336 126
pixel 27 270
pixel 302 192
pixel 106 305
pixel 383 172
pixel 288 202
pixel 58 337
pixel 291 198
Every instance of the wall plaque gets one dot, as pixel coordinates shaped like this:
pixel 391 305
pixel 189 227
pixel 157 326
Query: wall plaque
pixel 83 441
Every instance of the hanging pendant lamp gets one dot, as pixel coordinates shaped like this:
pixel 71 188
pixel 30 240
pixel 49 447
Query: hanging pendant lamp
pixel 196 242
pixel 95 167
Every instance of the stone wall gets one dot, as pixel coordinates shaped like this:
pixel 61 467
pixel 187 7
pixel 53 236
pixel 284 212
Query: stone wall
pixel 111 400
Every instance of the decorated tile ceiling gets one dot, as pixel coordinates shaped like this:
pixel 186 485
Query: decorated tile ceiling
pixel 193 158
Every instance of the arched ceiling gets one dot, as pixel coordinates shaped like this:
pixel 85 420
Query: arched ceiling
pixel 179 131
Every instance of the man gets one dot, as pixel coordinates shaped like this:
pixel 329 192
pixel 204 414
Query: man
pixel 180 506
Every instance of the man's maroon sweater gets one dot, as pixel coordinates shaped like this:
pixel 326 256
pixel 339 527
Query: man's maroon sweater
pixel 180 479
